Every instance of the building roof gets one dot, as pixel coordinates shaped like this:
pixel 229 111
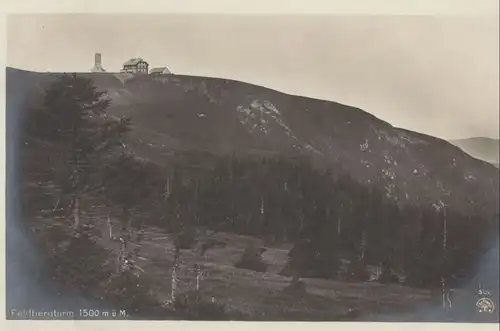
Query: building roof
pixel 159 70
pixel 133 61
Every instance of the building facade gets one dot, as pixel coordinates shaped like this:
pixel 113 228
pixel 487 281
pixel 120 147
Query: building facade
pixel 136 65
pixel 159 71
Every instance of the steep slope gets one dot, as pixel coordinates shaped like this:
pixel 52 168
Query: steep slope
pixel 483 148
pixel 175 116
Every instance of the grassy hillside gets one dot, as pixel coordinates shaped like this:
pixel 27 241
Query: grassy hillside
pixel 183 117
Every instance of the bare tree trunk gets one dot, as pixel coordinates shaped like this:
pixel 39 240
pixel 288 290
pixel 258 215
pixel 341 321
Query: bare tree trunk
pixel 75 181
pixel 339 221
pixel 198 277
pixel 121 255
pixel 363 245
pixel 76 213
pixel 167 192
pixel 262 205
pixel 110 229
pixel 443 292
pixel 119 262
pixel 446 294
pixel 124 238
pixel 174 274
pixel 445 233
pixel 57 205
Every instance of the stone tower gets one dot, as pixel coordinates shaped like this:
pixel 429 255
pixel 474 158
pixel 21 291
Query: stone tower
pixel 97 63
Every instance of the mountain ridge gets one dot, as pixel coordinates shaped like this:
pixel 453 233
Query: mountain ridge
pixel 174 114
pixel 484 148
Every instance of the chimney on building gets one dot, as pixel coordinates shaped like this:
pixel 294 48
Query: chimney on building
pixel 97 63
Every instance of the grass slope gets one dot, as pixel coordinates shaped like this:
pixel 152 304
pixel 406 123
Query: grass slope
pixel 258 296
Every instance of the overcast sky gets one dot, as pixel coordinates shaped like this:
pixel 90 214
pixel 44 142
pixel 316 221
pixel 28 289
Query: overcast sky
pixel 433 74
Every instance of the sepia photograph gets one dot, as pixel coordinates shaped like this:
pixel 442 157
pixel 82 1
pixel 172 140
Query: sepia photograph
pixel 251 167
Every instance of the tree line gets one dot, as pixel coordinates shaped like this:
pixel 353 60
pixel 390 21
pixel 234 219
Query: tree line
pixel 327 215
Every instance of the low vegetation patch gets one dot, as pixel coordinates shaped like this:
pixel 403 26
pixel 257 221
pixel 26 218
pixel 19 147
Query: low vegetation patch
pixel 252 260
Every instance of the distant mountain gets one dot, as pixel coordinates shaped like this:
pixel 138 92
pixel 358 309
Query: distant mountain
pixel 176 117
pixel 483 148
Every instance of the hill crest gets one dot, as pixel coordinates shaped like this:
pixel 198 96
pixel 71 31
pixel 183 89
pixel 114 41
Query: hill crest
pixel 174 115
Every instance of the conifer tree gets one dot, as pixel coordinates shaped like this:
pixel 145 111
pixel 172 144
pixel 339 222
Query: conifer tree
pixel 78 134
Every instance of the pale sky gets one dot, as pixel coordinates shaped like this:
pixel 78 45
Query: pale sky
pixel 432 74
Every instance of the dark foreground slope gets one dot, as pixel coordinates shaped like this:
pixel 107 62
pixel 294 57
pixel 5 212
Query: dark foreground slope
pixel 177 118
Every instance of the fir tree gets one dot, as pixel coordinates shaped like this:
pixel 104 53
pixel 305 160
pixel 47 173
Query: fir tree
pixel 75 130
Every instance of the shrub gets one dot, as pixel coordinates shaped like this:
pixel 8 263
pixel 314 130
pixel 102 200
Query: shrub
pixel 307 259
pixel 252 260
pixel 186 239
pixel 356 272
pixel 387 276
